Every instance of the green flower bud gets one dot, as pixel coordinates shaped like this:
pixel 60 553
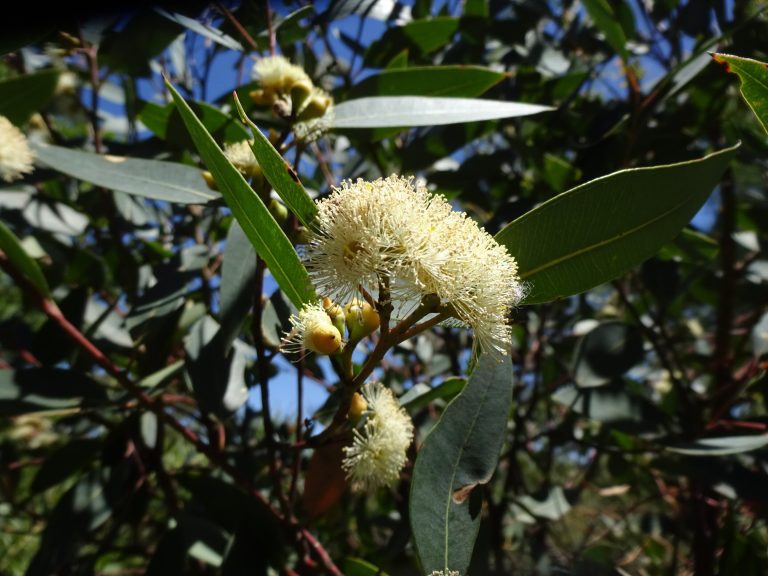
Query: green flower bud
pixel 361 319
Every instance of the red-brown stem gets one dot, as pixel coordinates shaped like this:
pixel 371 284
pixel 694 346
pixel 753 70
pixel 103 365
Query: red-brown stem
pixel 299 430
pixel 321 553
pixel 239 27
pixel 270 29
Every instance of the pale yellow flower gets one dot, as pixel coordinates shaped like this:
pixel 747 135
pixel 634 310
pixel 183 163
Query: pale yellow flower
pixel 16 157
pixel 394 232
pixel 378 451
pixel 242 157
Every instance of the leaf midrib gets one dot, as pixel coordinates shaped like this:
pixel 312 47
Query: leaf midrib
pixel 600 244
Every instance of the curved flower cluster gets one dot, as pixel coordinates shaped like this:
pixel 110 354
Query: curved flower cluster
pixel 313 330
pixel 445 573
pixel 288 86
pixel 394 232
pixel 16 158
pixel 378 452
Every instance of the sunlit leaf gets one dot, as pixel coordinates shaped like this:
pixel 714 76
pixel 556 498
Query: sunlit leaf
pixel 154 179
pixel 600 230
pixel 393 111
pixel 754 82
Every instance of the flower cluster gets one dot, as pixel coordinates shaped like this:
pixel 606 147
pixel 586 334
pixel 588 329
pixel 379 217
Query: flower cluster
pixel 16 158
pixel 378 451
pixel 445 573
pixel 394 233
pixel 288 89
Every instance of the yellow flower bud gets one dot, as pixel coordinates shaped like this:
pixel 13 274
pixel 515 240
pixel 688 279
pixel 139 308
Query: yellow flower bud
pixel 300 91
pixel 313 331
pixel 335 313
pixel 322 338
pixel 208 177
pixel 361 319
pixel 357 407
pixel 278 210
pixel 316 106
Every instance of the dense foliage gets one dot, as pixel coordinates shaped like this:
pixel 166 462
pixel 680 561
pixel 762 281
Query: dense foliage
pixel 164 413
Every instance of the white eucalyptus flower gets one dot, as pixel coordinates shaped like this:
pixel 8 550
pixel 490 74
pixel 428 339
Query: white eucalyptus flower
pixel 16 157
pixel 242 157
pixel 378 452
pixel 394 232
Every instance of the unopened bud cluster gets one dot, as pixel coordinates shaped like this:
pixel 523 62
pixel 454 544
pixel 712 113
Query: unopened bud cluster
pixel 288 90
pixel 319 327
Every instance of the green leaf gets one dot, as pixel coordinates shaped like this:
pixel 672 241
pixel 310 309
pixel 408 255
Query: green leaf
pixel 166 123
pixel 37 389
pixel 419 36
pixel 597 231
pixel 608 23
pixel 157 378
pixel 447 389
pixel 754 82
pixel 460 453
pixel 359 567
pixel 394 111
pixel 279 173
pixel 720 446
pixel 238 274
pixel 20 260
pixel 204 30
pixel 267 237
pixel 21 96
pixel 454 81
pixel 155 179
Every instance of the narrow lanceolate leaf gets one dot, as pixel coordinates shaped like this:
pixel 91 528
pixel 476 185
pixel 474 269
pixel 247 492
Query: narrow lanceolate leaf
pixel 459 453
pixel 600 230
pixel 154 179
pixel 394 111
pixel 722 446
pixel 454 81
pixel 204 30
pixel 21 261
pixel 754 82
pixel 267 237
pixel 279 173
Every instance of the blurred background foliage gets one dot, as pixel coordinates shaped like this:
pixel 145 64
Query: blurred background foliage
pixel 637 438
